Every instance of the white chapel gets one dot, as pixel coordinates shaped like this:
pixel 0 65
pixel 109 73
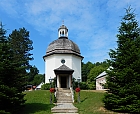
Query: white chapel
pixel 62 60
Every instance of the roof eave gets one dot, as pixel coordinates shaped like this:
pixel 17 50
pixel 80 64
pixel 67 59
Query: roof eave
pixel 63 53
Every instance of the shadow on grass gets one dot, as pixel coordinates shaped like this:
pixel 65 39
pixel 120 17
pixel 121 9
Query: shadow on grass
pixel 31 108
pixel 84 99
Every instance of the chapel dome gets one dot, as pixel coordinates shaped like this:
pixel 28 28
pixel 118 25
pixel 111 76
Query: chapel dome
pixel 63 45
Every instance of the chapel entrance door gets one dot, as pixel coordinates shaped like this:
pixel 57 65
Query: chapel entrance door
pixel 63 82
pixel 63 76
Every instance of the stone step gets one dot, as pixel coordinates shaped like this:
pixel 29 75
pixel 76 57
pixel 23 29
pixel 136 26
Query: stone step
pixel 64 98
pixel 64 110
pixel 64 101
pixel 66 113
pixel 64 95
pixel 64 90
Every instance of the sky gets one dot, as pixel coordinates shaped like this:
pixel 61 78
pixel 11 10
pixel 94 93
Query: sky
pixel 92 24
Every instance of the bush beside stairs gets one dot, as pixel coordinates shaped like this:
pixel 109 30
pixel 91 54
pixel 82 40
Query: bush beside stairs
pixel 64 102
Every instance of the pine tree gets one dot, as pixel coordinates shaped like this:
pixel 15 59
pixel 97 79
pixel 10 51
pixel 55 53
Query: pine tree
pixel 21 46
pixel 10 97
pixel 124 76
pixel 15 56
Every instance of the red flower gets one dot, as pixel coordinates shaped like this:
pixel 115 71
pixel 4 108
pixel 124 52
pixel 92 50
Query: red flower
pixel 52 90
pixel 77 89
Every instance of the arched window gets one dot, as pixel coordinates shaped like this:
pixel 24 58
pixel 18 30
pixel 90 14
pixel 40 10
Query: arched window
pixel 62 32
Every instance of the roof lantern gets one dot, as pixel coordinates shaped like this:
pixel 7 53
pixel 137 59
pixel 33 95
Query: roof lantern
pixel 63 31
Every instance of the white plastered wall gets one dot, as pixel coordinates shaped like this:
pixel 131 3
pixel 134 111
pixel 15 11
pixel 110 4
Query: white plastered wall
pixel 76 65
pixel 49 64
pixel 54 61
pixel 99 82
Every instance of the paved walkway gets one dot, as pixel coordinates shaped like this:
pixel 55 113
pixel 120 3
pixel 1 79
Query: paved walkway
pixel 64 103
pixel 65 108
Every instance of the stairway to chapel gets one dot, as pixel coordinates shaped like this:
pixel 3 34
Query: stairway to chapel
pixel 64 102
pixel 64 95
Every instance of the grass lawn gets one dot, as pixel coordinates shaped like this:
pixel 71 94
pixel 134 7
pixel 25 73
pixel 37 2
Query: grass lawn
pixel 38 102
pixel 91 103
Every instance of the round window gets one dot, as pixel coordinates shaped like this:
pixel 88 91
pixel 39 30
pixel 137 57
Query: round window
pixel 63 61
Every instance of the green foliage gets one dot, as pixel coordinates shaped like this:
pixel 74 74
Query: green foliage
pixel 90 71
pixel 33 77
pixel 124 78
pixel 32 72
pixel 83 85
pixel 11 96
pixel 54 99
pixel 37 79
pixel 91 86
pixel 45 86
pixel 3 112
pixel 94 72
pixel 74 83
pixel 75 97
pixel 85 70
pixel 12 74
pixel 21 45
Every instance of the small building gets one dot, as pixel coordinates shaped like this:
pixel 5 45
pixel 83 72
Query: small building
pixel 63 60
pixel 39 86
pixel 101 80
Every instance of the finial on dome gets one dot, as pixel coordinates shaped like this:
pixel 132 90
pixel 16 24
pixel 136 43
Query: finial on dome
pixel 63 22
pixel 63 31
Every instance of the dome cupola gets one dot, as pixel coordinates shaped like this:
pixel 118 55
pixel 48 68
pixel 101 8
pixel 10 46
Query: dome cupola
pixel 63 31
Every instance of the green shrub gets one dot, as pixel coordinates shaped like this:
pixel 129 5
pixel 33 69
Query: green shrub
pixel 75 85
pixel 91 86
pixel 54 99
pixel 75 97
pixel 45 86
pixel 3 112
pixel 83 85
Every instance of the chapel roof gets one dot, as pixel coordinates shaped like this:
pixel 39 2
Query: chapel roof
pixel 63 45
pixel 63 69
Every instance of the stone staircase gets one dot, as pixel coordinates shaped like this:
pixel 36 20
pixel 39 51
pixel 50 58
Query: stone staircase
pixel 64 102
pixel 64 96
